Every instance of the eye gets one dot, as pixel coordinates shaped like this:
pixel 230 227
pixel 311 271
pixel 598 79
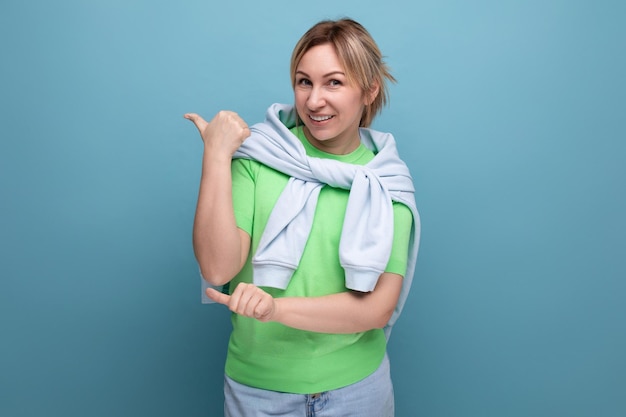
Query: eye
pixel 335 83
pixel 305 82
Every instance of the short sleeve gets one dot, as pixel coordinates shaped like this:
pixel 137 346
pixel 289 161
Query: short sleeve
pixel 402 222
pixel 243 180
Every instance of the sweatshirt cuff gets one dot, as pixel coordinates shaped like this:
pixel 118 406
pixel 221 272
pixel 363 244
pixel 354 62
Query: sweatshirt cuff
pixel 204 285
pixel 363 280
pixel 272 275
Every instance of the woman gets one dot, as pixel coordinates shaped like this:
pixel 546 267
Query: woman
pixel 310 219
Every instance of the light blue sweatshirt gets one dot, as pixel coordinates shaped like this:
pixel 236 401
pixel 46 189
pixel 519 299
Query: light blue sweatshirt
pixel 366 240
pixel 367 234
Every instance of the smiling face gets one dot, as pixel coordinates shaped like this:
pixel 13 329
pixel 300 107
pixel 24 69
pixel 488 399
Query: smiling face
pixel 328 104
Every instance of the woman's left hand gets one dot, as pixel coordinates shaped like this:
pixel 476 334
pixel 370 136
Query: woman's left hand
pixel 247 300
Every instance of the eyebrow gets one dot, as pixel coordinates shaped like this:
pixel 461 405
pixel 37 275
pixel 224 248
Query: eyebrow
pixel 330 74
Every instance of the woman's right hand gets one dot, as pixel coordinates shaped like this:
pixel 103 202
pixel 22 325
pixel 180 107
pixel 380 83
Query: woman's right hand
pixel 223 135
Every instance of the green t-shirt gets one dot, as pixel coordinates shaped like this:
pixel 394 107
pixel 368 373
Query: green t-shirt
pixel 273 356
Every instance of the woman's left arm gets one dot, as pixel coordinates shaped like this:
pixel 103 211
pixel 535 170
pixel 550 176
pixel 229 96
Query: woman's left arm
pixel 346 312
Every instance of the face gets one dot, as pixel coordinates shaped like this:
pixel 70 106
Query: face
pixel 328 105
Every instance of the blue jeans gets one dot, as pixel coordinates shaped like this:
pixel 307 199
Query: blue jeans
pixel 370 397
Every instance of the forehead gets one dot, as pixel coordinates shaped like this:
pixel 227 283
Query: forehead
pixel 320 58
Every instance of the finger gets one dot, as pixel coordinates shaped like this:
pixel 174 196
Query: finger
pixel 217 296
pixel 259 312
pixel 246 299
pixel 265 309
pixel 260 305
pixel 253 305
pixel 240 122
pixel 236 297
pixel 197 120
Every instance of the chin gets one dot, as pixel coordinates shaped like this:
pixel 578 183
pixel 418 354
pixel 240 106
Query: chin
pixel 320 138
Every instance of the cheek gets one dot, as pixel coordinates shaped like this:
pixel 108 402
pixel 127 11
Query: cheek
pixel 357 106
pixel 355 101
pixel 299 105
pixel 298 98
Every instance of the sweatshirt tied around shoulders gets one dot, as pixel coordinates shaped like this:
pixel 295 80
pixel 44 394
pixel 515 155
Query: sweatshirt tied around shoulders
pixel 367 234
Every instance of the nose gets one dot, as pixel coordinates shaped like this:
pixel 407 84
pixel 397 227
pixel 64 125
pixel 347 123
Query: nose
pixel 316 99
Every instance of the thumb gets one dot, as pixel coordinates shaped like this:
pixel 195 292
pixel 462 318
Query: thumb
pixel 197 120
pixel 217 296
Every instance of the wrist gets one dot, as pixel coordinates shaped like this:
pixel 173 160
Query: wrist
pixel 216 156
pixel 277 314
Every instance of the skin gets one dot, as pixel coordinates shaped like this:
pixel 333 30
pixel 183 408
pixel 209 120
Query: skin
pixel 221 248
pixel 329 106
pixel 321 91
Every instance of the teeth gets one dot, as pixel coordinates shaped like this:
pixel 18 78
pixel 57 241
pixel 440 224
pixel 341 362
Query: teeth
pixel 320 118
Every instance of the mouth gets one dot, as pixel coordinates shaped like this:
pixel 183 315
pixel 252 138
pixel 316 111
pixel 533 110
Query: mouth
pixel 320 118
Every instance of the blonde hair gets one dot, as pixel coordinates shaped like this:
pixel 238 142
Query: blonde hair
pixel 358 54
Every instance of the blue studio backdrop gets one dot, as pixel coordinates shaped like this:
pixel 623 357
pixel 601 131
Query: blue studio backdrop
pixel 510 115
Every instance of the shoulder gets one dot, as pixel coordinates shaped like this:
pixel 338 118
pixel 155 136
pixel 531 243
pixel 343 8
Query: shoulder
pixel 249 166
pixel 254 170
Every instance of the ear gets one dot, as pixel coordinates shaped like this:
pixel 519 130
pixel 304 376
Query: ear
pixel 371 95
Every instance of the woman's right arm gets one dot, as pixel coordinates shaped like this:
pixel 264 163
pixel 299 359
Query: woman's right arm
pixel 221 248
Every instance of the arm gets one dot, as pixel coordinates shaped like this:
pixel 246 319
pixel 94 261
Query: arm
pixel 220 247
pixel 346 312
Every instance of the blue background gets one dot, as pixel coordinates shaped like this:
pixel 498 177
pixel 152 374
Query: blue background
pixel 511 116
